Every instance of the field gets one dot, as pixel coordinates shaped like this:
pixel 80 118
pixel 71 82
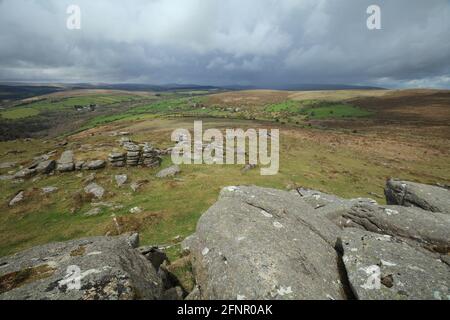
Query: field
pixel 30 107
pixel 19 113
pixel 348 147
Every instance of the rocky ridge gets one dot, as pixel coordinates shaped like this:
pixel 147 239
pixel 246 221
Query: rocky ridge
pixel 261 243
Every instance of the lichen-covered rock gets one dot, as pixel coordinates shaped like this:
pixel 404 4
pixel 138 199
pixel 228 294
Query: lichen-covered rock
pixel 19 197
pixel 330 206
pixel 49 189
pixel 405 193
pixel 94 189
pixel 381 267
pixel 104 268
pixel 428 229
pixel 169 172
pixel 96 164
pixel 7 165
pixel 46 166
pixel 121 179
pixel 257 243
pixel 66 162
pixel 25 173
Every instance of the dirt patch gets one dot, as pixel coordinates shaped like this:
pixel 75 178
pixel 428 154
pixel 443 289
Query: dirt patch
pixel 79 199
pixel 80 251
pixel 17 279
pixel 132 223
pixel 248 98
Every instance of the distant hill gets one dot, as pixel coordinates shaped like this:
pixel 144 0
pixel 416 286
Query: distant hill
pixel 315 87
pixel 15 91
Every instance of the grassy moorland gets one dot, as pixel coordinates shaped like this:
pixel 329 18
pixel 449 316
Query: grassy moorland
pixel 349 150
pixel 63 104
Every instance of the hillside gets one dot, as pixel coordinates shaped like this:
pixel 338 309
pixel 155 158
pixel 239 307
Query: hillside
pixel 346 143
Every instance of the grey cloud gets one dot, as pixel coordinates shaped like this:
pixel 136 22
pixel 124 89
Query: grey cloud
pixel 260 42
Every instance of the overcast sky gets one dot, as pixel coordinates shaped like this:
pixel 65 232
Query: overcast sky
pixel 248 42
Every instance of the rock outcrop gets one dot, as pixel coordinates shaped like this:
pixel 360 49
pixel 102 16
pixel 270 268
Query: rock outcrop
pixel 427 229
pixel 19 197
pixel 135 154
pixel 95 190
pixel 66 162
pixel 257 243
pixel 117 159
pixel 96 164
pixel 105 268
pixel 46 166
pixel 169 172
pixel 121 179
pixel 382 267
pixel 411 194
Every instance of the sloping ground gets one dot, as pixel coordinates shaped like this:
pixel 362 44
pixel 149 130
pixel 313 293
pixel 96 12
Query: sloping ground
pixel 424 107
pixel 344 162
pixel 336 95
pixel 248 98
pixel 261 243
pixel 86 92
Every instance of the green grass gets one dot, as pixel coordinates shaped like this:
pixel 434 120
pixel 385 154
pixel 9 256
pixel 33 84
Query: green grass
pixel 61 104
pixel 286 106
pixel 19 113
pixel 334 111
pixel 179 203
pixel 317 109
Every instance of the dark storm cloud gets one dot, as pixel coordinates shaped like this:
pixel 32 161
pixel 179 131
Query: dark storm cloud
pixel 261 42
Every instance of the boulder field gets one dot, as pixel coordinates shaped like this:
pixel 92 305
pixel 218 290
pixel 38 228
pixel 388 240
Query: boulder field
pixel 261 243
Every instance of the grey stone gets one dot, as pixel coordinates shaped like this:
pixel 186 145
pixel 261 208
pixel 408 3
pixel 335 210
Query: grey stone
pixel 380 267
pixel 135 186
pixel 116 155
pixel 169 172
pixel 131 147
pixel 66 157
pixel 118 164
pixel 424 196
pixel 106 268
pixel 96 164
pixel 6 177
pixel 19 197
pixel 79 165
pixel 132 239
pixel 275 201
pixel 46 166
pixel 153 254
pixel 194 294
pixel 331 206
pixel 257 243
pixel 131 154
pixel 24 173
pixel 66 162
pixel 124 140
pixel 92 212
pixel 90 178
pixel 95 190
pixel 65 167
pixel 121 179
pixel 248 167
pixel 7 165
pixel 428 229
pixel 50 189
